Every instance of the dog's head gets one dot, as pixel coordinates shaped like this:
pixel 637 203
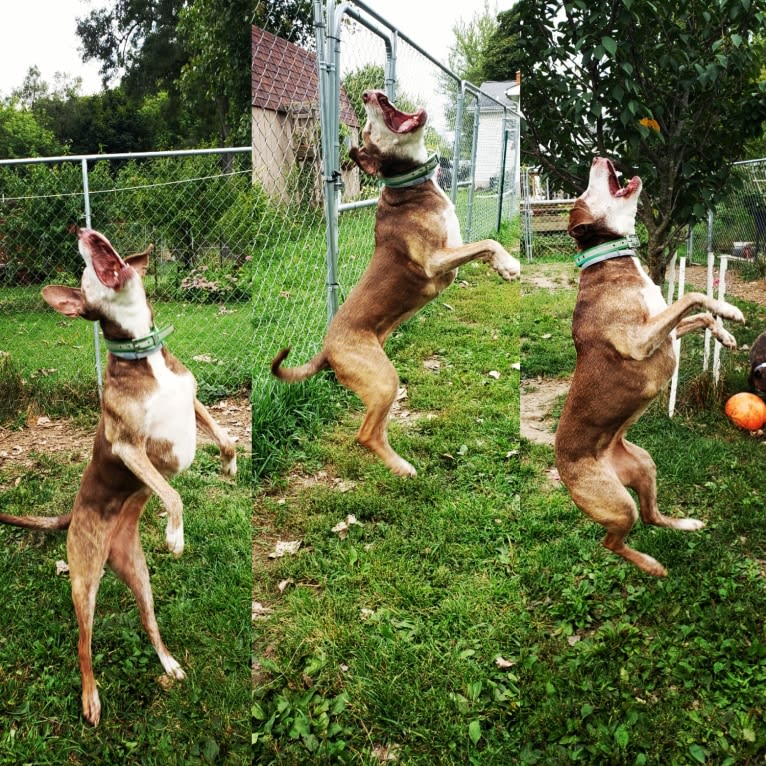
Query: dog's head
pixel 606 210
pixel 111 290
pixel 392 140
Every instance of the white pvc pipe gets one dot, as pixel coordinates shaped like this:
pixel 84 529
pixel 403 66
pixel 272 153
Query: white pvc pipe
pixel 677 341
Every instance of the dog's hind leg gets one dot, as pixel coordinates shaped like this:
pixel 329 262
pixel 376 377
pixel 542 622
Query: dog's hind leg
pixel 368 372
pixel 598 492
pixel 126 558
pixel 86 556
pixel 636 470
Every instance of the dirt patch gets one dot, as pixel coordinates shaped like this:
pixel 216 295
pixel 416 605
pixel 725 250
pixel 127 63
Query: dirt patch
pixel 46 435
pixel 537 399
pixel 754 291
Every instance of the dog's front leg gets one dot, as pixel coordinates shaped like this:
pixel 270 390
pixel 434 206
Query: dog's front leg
pixel 442 261
pixel 706 320
pixel 225 443
pixel 644 340
pixel 136 459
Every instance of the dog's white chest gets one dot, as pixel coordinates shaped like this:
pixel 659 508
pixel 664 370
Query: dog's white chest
pixel 170 411
pixel 650 292
pixel 450 223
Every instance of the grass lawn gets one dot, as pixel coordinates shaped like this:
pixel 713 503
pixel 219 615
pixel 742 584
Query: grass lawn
pixel 386 641
pixel 202 602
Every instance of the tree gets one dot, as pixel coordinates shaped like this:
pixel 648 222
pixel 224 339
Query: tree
pixel 669 90
pixel 22 135
pixel 500 58
pixel 197 53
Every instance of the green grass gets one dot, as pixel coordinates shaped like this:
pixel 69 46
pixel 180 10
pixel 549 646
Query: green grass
pixel 431 559
pixel 619 668
pixel 202 602
pixel 54 358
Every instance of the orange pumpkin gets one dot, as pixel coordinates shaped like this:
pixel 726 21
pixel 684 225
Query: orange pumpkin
pixel 746 411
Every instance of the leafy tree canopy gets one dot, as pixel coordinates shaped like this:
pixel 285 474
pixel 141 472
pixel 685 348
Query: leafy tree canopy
pixel 21 135
pixel 500 59
pixel 671 91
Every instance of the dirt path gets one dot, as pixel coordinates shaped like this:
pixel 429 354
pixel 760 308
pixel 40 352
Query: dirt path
pixel 44 434
pixel 537 399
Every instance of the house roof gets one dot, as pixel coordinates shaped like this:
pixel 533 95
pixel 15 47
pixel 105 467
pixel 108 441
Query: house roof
pixel 496 91
pixel 284 76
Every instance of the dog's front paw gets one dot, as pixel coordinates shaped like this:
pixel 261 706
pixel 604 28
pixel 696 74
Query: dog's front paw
pixel 506 265
pixel 229 464
pixel 728 311
pixel 174 537
pixel 725 338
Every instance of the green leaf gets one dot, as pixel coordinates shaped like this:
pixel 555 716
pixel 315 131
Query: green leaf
pixel 622 736
pixel 698 753
pixel 609 45
pixel 474 731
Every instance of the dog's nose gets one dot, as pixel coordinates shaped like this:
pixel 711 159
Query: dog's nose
pixel 366 96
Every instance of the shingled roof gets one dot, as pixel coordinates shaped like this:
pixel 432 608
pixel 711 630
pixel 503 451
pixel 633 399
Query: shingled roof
pixel 285 75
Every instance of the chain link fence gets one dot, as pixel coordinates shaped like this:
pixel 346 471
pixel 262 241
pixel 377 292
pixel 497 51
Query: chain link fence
pixel 544 218
pixel 737 226
pixel 203 215
pixel 254 246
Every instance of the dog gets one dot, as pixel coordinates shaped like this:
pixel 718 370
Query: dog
pixel 146 433
pixel 757 377
pixel 418 249
pixel 623 334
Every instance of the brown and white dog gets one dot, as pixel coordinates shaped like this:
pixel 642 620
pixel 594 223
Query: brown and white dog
pixel 418 249
pixel 147 433
pixel 623 333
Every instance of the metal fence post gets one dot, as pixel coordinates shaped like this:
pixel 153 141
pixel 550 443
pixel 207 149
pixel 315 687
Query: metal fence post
pixel 474 152
pixel 330 175
pixel 501 177
pixel 96 335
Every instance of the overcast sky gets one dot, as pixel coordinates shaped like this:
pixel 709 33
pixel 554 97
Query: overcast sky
pixel 42 33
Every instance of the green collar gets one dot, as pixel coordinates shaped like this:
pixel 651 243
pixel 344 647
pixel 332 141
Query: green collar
pixel 420 175
pixel 139 348
pixel 615 249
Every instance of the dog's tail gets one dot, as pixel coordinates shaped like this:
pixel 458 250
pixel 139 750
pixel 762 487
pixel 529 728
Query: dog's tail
pixel 37 522
pixel 294 374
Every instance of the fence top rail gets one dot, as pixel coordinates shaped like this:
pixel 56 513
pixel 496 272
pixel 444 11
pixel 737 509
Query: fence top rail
pixel 126 155
pixel 348 9
pixel 760 160
pixel 548 202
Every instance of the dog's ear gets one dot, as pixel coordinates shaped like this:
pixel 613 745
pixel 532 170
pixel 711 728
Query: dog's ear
pixel 140 261
pixel 368 162
pixel 580 220
pixel 66 300
pixel 110 269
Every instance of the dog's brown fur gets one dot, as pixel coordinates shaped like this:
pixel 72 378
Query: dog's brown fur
pixel 134 452
pixel 417 253
pixel 623 336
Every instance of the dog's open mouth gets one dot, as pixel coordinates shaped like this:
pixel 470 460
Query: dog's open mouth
pixel 400 122
pixel 616 188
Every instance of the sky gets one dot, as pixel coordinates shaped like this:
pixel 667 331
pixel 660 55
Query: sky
pixel 42 33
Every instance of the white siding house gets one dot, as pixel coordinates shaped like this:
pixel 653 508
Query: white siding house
pixel 491 136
